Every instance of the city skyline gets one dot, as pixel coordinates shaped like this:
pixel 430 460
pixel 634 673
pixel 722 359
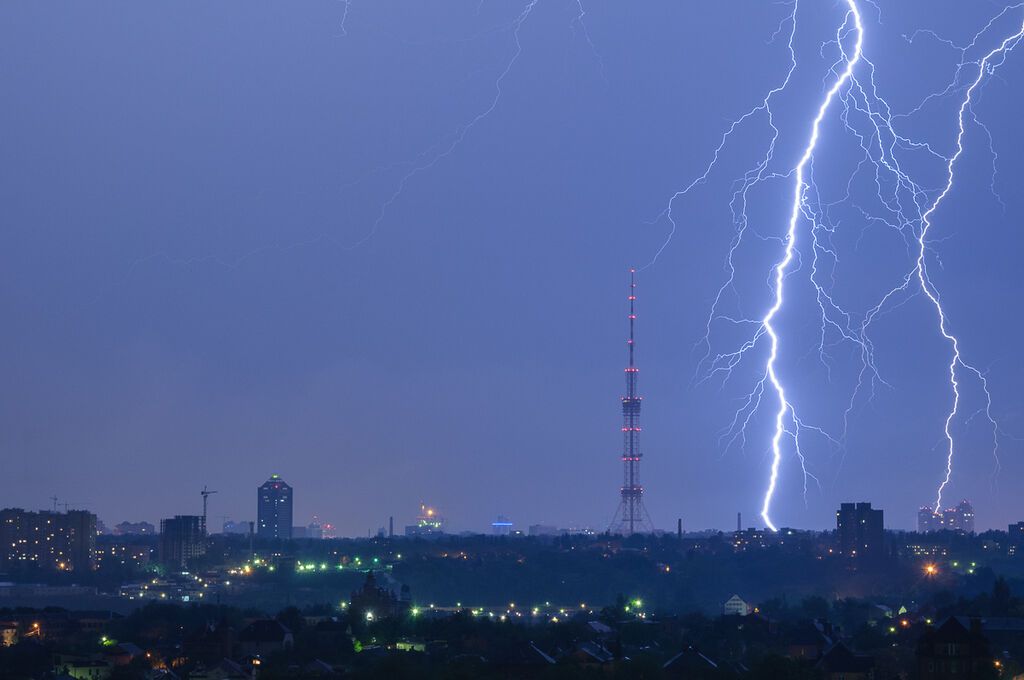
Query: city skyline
pixel 962 514
pixel 387 262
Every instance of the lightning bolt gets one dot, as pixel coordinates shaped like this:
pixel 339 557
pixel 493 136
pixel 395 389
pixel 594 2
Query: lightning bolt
pixel 463 130
pixel 787 423
pixel 799 188
pixel 986 66
pixel 903 205
pixel 421 163
pixel 346 5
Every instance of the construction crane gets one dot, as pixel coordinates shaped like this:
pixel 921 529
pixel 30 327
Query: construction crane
pixel 206 493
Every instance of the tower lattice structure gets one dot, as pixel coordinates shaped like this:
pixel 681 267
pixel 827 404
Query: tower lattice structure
pixel 631 516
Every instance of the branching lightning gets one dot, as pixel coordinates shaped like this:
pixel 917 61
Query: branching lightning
pixel 985 66
pixel 463 130
pixel 901 203
pixel 799 188
pixel 410 168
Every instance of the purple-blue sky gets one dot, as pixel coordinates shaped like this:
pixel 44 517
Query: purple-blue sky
pixel 189 298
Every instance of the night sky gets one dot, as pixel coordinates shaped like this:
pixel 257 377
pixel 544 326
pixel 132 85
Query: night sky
pixel 192 294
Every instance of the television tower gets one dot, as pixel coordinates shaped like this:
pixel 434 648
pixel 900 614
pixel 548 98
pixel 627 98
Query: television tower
pixel 631 517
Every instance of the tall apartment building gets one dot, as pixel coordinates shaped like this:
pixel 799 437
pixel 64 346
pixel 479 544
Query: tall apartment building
pixel 182 539
pixel 860 529
pixel 59 541
pixel 274 509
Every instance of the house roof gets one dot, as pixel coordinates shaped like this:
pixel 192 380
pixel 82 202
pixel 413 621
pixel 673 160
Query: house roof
pixel 1000 624
pixel 690 658
pixel 596 651
pixel 318 667
pixel 264 630
pixel 808 634
pixel 840 659
pixel 953 629
pixel 125 648
pixel 539 652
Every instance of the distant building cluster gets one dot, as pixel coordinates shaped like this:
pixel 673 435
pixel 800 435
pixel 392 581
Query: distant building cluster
pixel 748 539
pixel 236 528
pixel 67 541
pixel 502 526
pixel 959 518
pixel 312 530
pixel 428 523
pixel 552 530
pixel 1016 532
pixel 134 529
pixel 58 541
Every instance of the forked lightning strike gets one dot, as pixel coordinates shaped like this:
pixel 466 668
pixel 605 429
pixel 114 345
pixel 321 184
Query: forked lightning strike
pixel 900 203
pixel 799 188
pixel 986 65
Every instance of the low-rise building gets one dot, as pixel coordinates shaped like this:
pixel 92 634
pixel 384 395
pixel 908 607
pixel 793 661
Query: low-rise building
pixel 736 606
pixel 265 636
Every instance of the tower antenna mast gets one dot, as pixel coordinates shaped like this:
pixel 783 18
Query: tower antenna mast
pixel 631 516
